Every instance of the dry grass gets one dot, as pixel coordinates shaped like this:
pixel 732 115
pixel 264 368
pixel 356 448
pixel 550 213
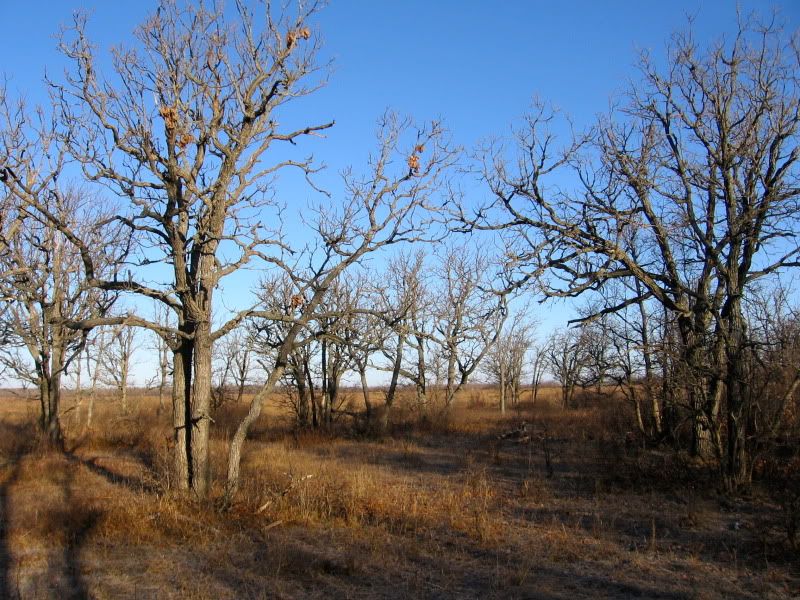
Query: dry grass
pixel 438 508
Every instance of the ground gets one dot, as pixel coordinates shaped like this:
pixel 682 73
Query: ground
pixel 440 507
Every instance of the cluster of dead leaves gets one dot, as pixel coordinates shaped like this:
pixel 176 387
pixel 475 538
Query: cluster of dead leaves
pixel 413 160
pixel 174 125
pixel 291 37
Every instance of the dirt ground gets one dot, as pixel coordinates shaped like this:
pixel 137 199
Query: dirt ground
pixel 441 507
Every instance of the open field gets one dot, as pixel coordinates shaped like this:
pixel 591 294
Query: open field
pixel 438 508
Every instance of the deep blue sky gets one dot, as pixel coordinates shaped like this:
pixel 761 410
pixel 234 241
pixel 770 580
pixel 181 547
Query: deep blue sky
pixel 475 64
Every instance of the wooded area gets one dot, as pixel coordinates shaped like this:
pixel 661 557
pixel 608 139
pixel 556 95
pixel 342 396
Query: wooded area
pixel 403 310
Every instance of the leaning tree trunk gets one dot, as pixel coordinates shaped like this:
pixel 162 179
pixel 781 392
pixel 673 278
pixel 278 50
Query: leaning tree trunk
pixel 362 371
pixel 392 391
pixel 235 450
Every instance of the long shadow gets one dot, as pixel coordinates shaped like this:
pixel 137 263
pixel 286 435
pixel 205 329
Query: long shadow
pixel 287 558
pixel 78 524
pixel 22 438
pixel 132 483
pixel 6 560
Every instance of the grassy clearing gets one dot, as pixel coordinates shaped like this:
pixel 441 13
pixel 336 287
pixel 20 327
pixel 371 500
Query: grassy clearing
pixel 438 508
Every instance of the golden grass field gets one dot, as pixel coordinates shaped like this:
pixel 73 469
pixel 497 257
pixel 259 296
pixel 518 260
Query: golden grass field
pixel 437 508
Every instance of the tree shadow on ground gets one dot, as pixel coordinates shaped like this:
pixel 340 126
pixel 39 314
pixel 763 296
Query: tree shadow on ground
pixel 133 483
pixel 74 523
pixel 19 442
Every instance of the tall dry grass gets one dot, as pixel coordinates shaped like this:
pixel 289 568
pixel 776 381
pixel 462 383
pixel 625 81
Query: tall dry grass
pixel 441 501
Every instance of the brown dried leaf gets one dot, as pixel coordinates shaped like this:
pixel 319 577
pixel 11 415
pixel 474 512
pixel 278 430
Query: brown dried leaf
pixel 170 116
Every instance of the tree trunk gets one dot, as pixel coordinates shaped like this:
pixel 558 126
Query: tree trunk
pixel 78 393
pixel 123 386
pixel 391 392
pixel 655 409
pixel 333 392
pixel 92 393
pixel 502 390
pixel 421 383
pixel 242 377
pixel 737 459
pixel 315 408
pixel 637 406
pixel 201 410
pixel 163 360
pixel 235 450
pixel 451 376
pixel 365 391
pixel 181 386
pixel 303 409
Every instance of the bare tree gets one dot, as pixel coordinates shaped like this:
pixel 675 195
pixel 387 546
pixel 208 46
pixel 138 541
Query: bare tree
pixel 469 314
pixel 232 362
pixel 633 351
pixel 42 287
pixel 242 359
pixel 566 358
pixel 364 332
pixel 391 204
pixel 701 160
pixel 162 349
pixel 538 367
pixel 596 346
pixel 95 348
pixel 278 296
pixel 505 363
pixel 184 129
pixel 401 300
pixel 116 361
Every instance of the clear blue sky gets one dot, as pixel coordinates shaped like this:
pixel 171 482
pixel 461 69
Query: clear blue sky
pixel 475 64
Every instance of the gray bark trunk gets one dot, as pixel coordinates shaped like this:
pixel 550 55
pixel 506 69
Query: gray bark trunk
pixel 235 450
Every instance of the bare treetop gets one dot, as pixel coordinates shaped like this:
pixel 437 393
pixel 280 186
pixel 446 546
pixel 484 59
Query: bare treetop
pixel 184 125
